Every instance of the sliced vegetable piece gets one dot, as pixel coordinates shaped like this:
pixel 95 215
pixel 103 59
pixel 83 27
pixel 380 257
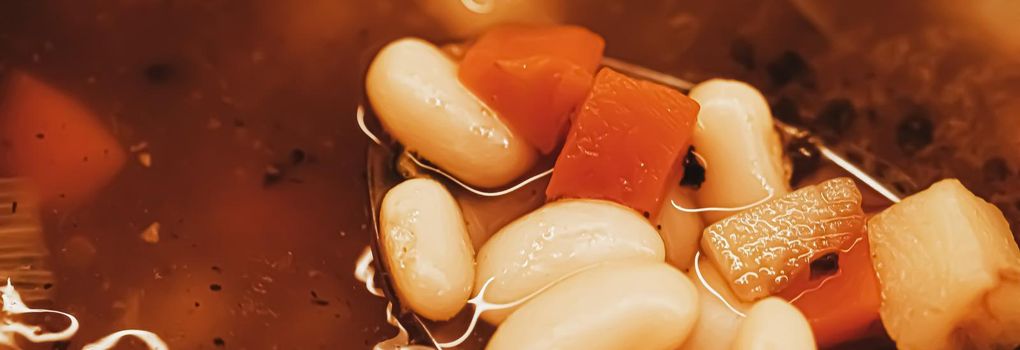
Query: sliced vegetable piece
pixel 533 76
pixel 842 306
pixel 625 143
pixel 949 271
pixel 758 250
pixel 53 140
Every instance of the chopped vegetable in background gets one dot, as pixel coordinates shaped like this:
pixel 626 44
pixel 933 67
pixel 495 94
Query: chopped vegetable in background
pixel 759 249
pixel 625 143
pixel 50 138
pixel 533 76
pixel 949 271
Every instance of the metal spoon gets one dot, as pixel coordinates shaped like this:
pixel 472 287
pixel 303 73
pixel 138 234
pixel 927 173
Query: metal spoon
pixel 383 175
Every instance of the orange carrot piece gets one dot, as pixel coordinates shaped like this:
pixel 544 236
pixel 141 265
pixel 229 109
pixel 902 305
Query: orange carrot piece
pixel 843 306
pixel 625 143
pixel 54 141
pixel 533 76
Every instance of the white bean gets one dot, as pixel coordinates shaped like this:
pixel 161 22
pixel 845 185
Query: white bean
pixel 558 239
pixel 718 320
pixel 413 88
pixel 618 305
pixel 680 231
pixel 427 248
pixel 736 137
pixel 774 324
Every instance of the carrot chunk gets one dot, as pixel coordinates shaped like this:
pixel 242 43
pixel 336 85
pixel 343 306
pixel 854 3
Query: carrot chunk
pixel 625 143
pixel 842 306
pixel 54 141
pixel 533 76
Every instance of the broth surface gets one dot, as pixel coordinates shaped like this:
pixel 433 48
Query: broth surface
pixel 257 166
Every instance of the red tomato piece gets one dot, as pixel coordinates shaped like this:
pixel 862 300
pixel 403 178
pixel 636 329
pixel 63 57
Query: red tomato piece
pixel 54 141
pixel 533 76
pixel 842 306
pixel 625 143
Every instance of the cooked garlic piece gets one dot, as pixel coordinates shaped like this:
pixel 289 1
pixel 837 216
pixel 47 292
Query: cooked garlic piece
pixel 680 230
pixel 617 305
pixel 427 248
pixel 759 249
pixel 414 90
pixel 774 324
pixel 557 239
pixel 736 138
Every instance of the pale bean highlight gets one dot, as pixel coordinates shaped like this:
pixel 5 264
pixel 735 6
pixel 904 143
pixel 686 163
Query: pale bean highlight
pixel 427 248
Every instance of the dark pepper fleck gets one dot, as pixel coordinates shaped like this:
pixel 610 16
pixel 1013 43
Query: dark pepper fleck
pixel 159 73
pixel 788 67
pixel 215 287
pixel 47 286
pixel 915 132
pixel 826 265
pixel 272 176
pixel 996 169
pixel 804 158
pixel 900 187
pixel 297 156
pixel 835 118
pixel 854 157
pixel 14 207
pixel 694 172
pixel 880 169
pixel 742 52
pixel 40 136
pixel 786 110
pixel 219 342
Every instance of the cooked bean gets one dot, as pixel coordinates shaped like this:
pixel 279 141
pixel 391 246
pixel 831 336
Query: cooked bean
pixel 619 305
pixel 736 137
pixel 414 90
pixel 427 248
pixel 717 323
pixel 680 231
pixel 774 324
pixel 558 239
